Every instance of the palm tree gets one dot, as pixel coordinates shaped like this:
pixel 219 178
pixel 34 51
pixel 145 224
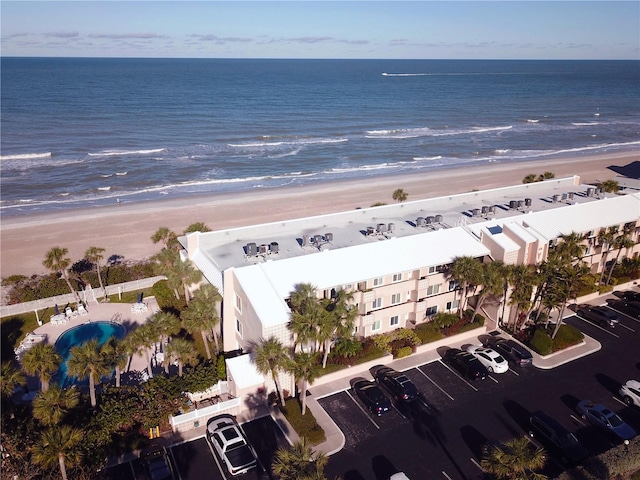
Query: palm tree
pixel 180 274
pixel 305 368
pixel 568 282
pixel 187 274
pixel 399 195
pixel 202 315
pixel 94 255
pixel 197 227
pixel 466 271
pixel 339 323
pixel 271 358
pixel 620 242
pixel 115 354
pixel 606 238
pixel 59 444
pixel 42 360
pixel 492 281
pixel 88 361
pixel 10 378
pixel 530 178
pixel 57 261
pixel 609 186
pixel 515 460
pixel 183 352
pixel 166 236
pixel 523 278
pixel 140 341
pixel 299 462
pixel 570 248
pixel 165 324
pixel 50 407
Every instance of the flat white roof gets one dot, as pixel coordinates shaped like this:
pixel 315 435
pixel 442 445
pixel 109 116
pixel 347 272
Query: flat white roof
pixel 243 371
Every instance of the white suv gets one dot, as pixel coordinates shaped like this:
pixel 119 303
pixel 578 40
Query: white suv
pixel 230 443
pixel 630 393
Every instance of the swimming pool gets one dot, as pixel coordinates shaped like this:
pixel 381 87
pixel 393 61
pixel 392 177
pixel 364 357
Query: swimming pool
pixel 101 331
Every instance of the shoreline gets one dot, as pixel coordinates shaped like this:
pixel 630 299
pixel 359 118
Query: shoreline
pixel 125 229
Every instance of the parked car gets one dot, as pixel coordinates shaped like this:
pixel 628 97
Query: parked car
pixel 397 384
pixel 630 393
pixel 630 308
pixel 603 316
pixel 492 360
pixel 156 462
pixel 605 419
pixel 371 396
pixel 557 438
pixel 511 351
pixel 230 443
pixel 399 476
pixel 466 364
pixel 631 295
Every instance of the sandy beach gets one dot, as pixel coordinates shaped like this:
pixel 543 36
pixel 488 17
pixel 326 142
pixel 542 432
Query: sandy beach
pixel 126 229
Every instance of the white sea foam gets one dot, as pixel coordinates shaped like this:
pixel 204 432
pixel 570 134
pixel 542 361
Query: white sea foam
pixel 502 150
pixel 104 188
pixel 584 124
pixel 532 120
pixel 300 141
pixel 428 132
pixel 25 156
pixel 427 159
pixel 111 153
pixel 121 174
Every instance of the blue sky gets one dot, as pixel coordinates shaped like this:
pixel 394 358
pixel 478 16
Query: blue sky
pixel 328 29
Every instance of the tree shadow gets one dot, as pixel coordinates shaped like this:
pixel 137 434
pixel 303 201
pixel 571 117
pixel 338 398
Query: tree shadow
pixel 519 415
pixel 613 386
pixel 476 441
pixel 570 401
pixel 353 475
pixel 382 467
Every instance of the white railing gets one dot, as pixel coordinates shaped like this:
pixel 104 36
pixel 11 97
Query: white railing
pixel 214 391
pixel 198 417
pixel 85 295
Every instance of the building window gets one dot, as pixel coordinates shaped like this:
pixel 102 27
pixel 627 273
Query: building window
pixel 396 298
pixel 433 289
pixel 375 326
pixel 433 269
pixel 453 305
pixel 377 281
pixel 453 285
pixel 239 327
pixel 377 303
pixel 238 303
pixel 431 311
pixel 397 277
pixel 393 321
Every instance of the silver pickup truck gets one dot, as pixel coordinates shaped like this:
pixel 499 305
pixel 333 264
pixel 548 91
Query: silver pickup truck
pixel 230 443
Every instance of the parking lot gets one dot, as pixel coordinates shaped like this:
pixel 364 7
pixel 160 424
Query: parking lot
pixel 196 460
pixel 442 434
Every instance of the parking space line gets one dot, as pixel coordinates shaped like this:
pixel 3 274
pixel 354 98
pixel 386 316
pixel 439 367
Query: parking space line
pixel 625 314
pixel 175 464
pixel 446 476
pixel 514 372
pixel 366 414
pixel 620 401
pixel 398 410
pixel 624 326
pixel 597 326
pixel 578 419
pixel 439 387
pixel 493 378
pixel 215 457
pixel 459 376
pixel 133 472
pixel 473 460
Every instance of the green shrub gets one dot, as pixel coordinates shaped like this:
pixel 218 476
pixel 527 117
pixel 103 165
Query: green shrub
pixel 566 337
pixel 201 377
pixel 221 368
pixel 305 425
pixel 403 352
pixel 428 332
pixel 541 342
pixel 604 289
pixel 165 297
pixel 444 320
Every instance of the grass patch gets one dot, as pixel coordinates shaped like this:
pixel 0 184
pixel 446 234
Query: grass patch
pixel 305 425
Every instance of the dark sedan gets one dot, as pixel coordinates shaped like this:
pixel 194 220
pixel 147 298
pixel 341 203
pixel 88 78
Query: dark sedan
pixel 371 396
pixel 627 307
pixel 466 364
pixel 605 419
pixel 600 315
pixel 396 383
pixel 630 295
pixel 511 350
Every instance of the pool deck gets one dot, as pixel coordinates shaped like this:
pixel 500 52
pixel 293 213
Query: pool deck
pixel 122 313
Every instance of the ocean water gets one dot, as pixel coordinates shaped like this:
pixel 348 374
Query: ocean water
pixel 82 132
